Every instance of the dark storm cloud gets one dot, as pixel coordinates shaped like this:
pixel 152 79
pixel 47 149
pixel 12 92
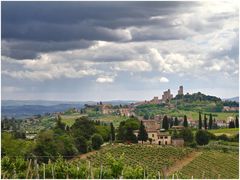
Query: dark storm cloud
pixel 20 49
pixel 55 22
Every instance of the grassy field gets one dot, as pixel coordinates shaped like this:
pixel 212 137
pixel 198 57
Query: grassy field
pixel 110 118
pixel 227 131
pixel 70 119
pixel 212 165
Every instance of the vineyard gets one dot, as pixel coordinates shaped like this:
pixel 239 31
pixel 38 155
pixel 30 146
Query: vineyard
pixel 153 158
pixel 212 165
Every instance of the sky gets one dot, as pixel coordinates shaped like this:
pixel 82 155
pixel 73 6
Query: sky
pixel 78 51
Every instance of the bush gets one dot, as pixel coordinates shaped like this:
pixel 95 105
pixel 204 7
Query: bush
pixel 211 135
pixel 187 135
pixel 202 137
pixel 223 137
pixel 97 141
pixel 193 144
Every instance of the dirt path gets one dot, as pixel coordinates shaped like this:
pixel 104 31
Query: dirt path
pixel 84 156
pixel 183 162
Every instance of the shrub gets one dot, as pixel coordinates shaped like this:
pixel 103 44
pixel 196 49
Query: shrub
pixel 211 135
pixel 187 135
pixel 193 144
pixel 97 141
pixel 202 137
pixel 223 137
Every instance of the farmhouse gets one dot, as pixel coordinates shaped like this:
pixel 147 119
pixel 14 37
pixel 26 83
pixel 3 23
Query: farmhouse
pixel 155 134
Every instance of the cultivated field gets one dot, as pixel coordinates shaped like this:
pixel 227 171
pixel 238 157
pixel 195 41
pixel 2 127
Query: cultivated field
pixel 212 165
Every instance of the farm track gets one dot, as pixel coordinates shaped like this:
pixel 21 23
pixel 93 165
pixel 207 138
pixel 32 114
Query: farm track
pixel 181 163
pixel 83 156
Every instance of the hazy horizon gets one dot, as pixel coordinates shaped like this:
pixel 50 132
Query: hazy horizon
pixel 101 51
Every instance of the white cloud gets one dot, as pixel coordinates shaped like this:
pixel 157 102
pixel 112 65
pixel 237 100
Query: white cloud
pixel 133 66
pixel 163 80
pixel 105 79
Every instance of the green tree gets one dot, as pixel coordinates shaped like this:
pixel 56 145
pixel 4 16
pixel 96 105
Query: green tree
pixel 175 134
pixel 112 131
pixel 46 147
pixel 60 124
pixel 231 124
pixel 200 121
pixel 236 122
pixel 165 124
pixel 146 116
pixel 205 121
pixel 97 141
pixel 130 136
pixel 202 137
pixel 121 131
pixel 104 131
pixel 81 144
pixel 83 127
pixel 210 122
pixel 185 121
pixel 176 122
pixel 187 135
pixel 142 134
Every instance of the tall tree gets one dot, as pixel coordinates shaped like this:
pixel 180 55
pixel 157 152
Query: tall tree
pixel 112 134
pixel 142 134
pixel 171 122
pixel 185 121
pixel 210 122
pixel 200 121
pixel 176 122
pixel 231 124
pixel 205 121
pixel 165 122
pixel 236 122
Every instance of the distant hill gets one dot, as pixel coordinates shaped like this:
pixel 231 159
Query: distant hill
pixel 27 108
pixel 236 99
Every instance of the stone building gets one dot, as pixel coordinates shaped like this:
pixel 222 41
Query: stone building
pixel 179 142
pixel 180 91
pixel 155 134
pixel 106 109
pixel 155 100
pixel 167 95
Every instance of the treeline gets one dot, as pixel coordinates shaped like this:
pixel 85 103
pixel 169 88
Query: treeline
pixel 197 97
pixel 83 136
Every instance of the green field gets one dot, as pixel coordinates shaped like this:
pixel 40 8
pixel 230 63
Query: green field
pixel 227 131
pixel 70 119
pixel 110 118
pixel 212 165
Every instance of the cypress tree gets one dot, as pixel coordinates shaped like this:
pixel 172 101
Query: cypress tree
pixel 210 122
pixel 171 122
pixel 165 123
pixel 205 121
pixel 200 121
pixel 236 122
pixel 112 132
pixel 142 134
pixel 231 124
pixel 185 122
pixel 176 122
